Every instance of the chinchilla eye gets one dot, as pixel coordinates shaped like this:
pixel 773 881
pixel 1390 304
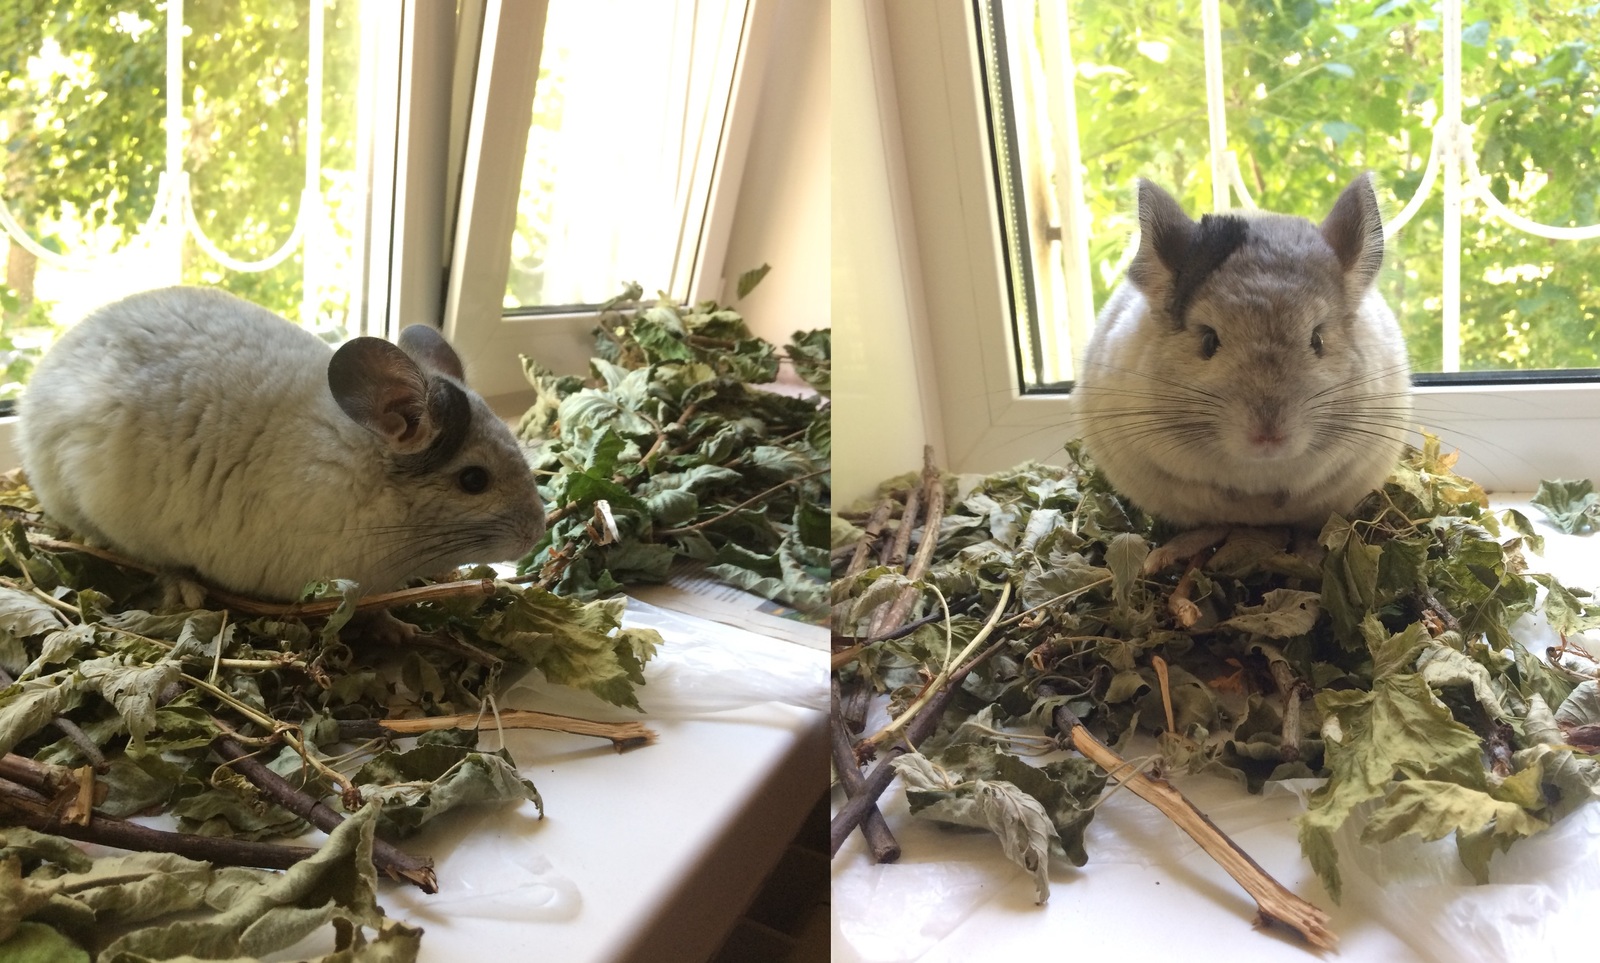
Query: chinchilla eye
pixel 1316 340
pixel 473 480
pixel 1209 342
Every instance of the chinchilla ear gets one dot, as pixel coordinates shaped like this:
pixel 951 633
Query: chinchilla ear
pixel 1165 233
pixel 1354 229
pixel 429 349
pixel 384 391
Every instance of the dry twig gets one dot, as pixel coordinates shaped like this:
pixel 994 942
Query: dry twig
pixel 1274 902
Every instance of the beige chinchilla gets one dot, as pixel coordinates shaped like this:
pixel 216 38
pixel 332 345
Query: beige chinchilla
pixel 195 431
pixel 1247 371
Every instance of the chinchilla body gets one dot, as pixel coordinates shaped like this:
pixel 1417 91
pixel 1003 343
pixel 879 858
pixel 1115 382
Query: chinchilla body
pixel 195 431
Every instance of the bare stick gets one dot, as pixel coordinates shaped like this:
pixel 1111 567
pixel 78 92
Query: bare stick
pixel 889 618
pixel 24 807
pixel 395 863
pixel 885 849
pixel 1274 902
pixel 880 517
pixel 623 735
pixel 894 552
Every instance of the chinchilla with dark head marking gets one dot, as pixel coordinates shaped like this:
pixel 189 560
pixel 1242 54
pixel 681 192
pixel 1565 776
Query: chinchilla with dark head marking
pixel 195 431
pixel 1247 371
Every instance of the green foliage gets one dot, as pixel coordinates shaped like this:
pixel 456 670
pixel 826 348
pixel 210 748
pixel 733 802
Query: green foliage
pixel 672 450
pixel 1572 506
pixel 142 906
pixel 1317 93
pixel 1377 655
pixel 85 117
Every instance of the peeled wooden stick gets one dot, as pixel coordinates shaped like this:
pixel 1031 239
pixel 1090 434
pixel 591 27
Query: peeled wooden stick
pixel 623 735
pixel 1273 901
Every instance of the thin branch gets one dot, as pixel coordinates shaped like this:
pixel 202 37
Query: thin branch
pixel 253 606
pixel 1274 902
pixel 890 617
pixel 24 807
pixel 482 588
pixel 884 847
pixel 395 863
pixel 880 517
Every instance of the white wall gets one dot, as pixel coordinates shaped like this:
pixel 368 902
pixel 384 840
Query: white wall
pixel 782 215
pixel 880 420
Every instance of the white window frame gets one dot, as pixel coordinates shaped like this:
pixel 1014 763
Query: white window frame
pixel 488 340
pixel 445 169
pixel 1510 436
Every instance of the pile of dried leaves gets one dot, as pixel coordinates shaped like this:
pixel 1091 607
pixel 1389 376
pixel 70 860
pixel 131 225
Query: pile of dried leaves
pixel 239 721
pixel 671 451
pixel 246 722
pixel 1377 655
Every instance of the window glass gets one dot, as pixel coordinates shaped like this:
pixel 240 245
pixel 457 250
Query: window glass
pixel 627 117
pixel 254 189
pixel 1310 96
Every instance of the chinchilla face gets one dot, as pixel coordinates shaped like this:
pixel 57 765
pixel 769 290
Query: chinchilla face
pixel 470 496
pixel 1268 348
pixel 1247 370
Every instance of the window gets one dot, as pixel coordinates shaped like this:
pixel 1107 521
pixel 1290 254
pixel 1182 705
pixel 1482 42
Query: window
pixel 632 164
pixel 626 121
pixel 1480 134
pixel 357 165
pixel 154 144
pixel 971 171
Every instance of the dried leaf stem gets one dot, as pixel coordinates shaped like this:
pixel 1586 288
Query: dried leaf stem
pixel 623 735
pixel 1274 902
pixel 944 675
pixel 395 863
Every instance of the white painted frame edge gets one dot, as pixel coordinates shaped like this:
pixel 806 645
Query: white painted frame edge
pixel 1511 437
pixel 488 340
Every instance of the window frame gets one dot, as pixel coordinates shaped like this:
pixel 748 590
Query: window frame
pixel 1511 436
pixel 487 336
pixel 444 169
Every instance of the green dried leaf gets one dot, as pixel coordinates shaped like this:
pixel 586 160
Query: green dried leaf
pixel 418 784
pixel 749 279
pixel 1024 827
pixel 1283 613
pixel 27 707
pixel 22 615
pixel 132 688
pixel 1571 506
pixel 1433 810
pixel 1125 558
